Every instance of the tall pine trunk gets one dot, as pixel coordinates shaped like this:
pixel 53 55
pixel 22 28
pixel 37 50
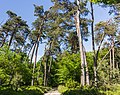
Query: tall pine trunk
pixel 34 65
pixel 77 19
pixel 93 45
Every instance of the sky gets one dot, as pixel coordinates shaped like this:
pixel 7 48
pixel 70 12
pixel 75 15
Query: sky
pixel 25 9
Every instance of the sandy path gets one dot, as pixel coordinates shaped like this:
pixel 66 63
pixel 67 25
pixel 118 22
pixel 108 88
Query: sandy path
pixel 53 92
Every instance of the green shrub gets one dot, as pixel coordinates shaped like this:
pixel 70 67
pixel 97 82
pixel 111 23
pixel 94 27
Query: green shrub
pixel 34 88
pixel 83 91
pixel 62 88
pixel 71 83
pixel 31 90
pixel 113 90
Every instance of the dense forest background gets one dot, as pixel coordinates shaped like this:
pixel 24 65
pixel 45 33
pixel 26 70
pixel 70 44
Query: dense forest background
pixel 65 65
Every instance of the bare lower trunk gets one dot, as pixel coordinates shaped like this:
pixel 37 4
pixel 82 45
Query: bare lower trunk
pixel 50 65
pixel 49 69
pixel 37 45
pixel 45 74
pixel 77 19
pixel 51 58
pixel 45 68
pixel 95 75
pixel 93 45
pixel 87 72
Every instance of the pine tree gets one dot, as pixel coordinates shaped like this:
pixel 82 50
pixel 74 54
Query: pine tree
pixel 38 33
pixel 15 30
pixel 66 20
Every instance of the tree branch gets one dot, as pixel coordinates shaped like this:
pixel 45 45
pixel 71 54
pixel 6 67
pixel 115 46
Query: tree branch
pixel 105 56
pixel 68 24
pixel 100 46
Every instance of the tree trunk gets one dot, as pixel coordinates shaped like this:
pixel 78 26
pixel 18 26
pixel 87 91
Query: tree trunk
pixel 3 42
pixel 11 38
pixel 30 50
pixel 49 68
pixel 50 65
pixel 113 55
pixel 77 19
pixel 51 58
pixel 37 45
pixel 87 71
pixel 96 59
pixel 33 53
pixel 36 51
pixel 93 45
pixel 117 65
pixel 45 68
pixel 110 63
pixel 45 74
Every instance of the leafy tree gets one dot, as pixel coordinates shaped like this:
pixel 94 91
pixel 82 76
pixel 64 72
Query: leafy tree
pixel 16 71
pixel 68 68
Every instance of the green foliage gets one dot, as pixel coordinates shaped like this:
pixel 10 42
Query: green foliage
pixel 70 83
pixel 31 90
pixel 3 76
pixel 53 78
pixel 83 91
pixel 15 30
pixel 62 88
pixel 69 68
pixel 89 56
pixel 13 71
pixel 108 76
pixel 104 30
pixel 38 75
pixel 112 90
pixel 106 1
